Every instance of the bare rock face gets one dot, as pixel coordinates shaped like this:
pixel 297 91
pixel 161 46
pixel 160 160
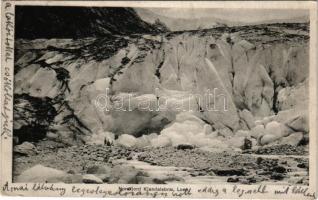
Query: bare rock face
pixel 78 22
pixel 137 85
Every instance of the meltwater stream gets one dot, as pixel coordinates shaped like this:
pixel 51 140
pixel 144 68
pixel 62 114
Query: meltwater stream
pixel 172 174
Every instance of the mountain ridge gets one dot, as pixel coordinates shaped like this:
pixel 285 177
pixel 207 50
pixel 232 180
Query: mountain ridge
pixel 75 22
pixel 185 24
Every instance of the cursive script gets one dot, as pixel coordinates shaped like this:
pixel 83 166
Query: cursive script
pixel 9 33
pixel 7 100
pixel 156 191
pixel 7 74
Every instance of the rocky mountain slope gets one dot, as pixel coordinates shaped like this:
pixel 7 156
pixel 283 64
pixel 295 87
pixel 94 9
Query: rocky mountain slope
pixel 153 89
pixel 180 24
pixel 178 19
pixel 35 22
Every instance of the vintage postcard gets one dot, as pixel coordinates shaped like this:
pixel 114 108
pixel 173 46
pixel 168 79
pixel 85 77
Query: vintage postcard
pixel 159 99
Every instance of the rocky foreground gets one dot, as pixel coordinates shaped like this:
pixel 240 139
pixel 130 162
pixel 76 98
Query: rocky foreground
pixel 183 164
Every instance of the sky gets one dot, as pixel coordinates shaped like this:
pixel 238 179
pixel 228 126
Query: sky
pixel 242 15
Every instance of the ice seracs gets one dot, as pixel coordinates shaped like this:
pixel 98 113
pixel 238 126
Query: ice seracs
pixel 229 83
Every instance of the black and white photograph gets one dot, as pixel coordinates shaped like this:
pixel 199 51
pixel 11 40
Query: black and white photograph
pixel 161 95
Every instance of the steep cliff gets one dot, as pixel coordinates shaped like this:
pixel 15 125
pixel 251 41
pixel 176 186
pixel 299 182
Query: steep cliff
pixel 214 83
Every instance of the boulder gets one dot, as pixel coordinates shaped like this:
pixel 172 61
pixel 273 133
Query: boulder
pixel 126 140
pixel 185 146
pixel 293 139
pixel 299 123
pixel 103 172
pixel 99 169
pixel 278 129
pixel 285 116
pixel 125 175
pixel 272 127
pixel 52 136
pixel 41 174
pixel 91 179
pixel 73 178
pixel 149 180
pixel 268 138
pixel 274 131
pixel 26 148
